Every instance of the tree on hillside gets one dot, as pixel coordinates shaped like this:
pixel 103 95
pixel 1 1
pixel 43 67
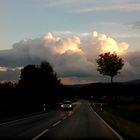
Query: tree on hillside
pixel 109 64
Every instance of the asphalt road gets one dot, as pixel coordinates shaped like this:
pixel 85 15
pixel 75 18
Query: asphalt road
pixel 81 123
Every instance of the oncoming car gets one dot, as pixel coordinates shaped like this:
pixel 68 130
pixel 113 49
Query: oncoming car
pixel 66 105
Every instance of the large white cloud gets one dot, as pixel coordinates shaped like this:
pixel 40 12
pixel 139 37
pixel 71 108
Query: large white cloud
pixel 69 56
pixel 61 45
pixel 105 44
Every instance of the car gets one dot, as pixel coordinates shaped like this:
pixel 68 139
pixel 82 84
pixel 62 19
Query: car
pixel 67 105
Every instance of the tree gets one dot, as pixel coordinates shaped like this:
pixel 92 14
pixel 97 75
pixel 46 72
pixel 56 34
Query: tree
pixel 49 77
pixel 39 81
pixel 29 77
pixel 109 64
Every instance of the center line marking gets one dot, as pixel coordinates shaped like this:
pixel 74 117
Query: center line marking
pixel 39 135
pixel 56 123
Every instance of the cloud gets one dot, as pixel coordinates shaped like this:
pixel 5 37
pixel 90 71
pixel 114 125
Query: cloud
pixel 74 64
pixel 106 44
pixel 109 5
pixel 124 36
pixel 75 80
pixel 5 69
pixel 69 33
pixel 133 59
pixel 63 33
pixel 134 25
pixel 131 69
pixel 135 7
pixel 70 57
pixel 91 6
pixel 68 3
pixel 101 43
pixel 61 45
pixel 8 73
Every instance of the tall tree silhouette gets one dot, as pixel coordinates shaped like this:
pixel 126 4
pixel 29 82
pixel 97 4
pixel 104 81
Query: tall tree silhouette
pixel 49 77
pixel 109 64
pixel 39 81
pixel 29 77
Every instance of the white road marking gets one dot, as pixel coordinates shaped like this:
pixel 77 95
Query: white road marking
pixel 56 123
pixel 39 135
pixel 120 137
pixel 23 119
pixel 46 130
pixel 64 118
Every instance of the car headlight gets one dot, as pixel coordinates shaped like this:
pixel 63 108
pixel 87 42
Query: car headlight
pixel 62 105
pixel 70 105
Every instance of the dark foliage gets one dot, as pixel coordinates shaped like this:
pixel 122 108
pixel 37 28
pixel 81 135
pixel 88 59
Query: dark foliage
pixel 39 83
pixel 109 64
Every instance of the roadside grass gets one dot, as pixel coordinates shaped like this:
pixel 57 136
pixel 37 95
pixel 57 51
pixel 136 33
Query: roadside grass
pixel 126 128
pixel 129 112
pixel 11 116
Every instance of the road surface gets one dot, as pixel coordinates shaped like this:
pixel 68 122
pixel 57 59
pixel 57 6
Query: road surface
pixel 81 123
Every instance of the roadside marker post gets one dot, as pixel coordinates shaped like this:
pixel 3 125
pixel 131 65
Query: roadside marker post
pixel 44 107
pixel 101 107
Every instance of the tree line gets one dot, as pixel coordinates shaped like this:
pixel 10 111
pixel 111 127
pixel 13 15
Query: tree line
pixel 40 83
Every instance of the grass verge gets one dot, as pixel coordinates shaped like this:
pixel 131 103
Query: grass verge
pixel 126 128
pixel 7 115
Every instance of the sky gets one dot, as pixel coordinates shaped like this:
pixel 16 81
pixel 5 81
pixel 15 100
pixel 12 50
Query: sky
pixel 70 34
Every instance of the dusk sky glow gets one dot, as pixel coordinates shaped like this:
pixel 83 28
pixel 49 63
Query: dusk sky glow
pixel 70 34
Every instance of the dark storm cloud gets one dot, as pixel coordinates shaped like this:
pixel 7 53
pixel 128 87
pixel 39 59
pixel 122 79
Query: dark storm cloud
pixel 70 57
